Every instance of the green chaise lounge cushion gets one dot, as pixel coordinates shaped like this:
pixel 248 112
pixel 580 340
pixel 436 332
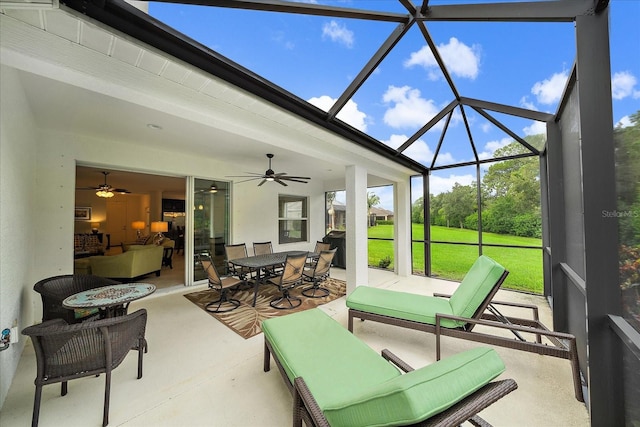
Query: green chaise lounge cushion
pixel 310 339
pixel 472 291
pixel 420 394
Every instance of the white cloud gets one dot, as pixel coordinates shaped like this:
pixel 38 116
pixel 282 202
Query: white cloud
pixel 349 113
pixel 461 60
pixel 439 184
pixel 486 127
pixel 525 103
pixel 491 147
pixel 408 109
pixel 624 122
pixel 536 128
pixel 338 33
pixel 550 90
pixel 418 151
pixel 623 85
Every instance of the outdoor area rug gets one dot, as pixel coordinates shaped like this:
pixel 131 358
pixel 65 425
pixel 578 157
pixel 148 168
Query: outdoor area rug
pixel 246 320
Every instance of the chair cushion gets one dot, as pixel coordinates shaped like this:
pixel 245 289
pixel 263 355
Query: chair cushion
pixel 417 395
pixel 476 285
pixel 401 305
pixel 333 362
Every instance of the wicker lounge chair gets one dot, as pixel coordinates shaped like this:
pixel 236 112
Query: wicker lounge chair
pixel 54 290
pixel 361 387
pixel 65 352
pixel 457 315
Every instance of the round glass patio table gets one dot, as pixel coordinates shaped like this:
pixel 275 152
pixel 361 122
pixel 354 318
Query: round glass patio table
pixel 112 300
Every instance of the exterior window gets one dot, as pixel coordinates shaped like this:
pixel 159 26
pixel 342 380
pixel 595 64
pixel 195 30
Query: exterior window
pixel 292 219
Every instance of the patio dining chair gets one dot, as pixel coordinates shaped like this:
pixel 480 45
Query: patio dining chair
pixel 291 276
pixel 221 285
pixel 65 352
pixel 234 252
pixel 457 315
pixel 318 272
pixel 265 248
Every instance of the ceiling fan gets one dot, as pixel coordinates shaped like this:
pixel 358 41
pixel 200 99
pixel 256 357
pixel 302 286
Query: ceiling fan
pixel 270 175
pixel 213 188
pixel 105 190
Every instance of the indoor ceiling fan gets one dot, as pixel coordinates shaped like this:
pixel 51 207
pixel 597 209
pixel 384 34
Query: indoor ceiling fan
pixel 270 175
pixel 105 190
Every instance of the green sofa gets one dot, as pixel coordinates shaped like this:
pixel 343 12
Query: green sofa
pixel 338 380
pixel 138 260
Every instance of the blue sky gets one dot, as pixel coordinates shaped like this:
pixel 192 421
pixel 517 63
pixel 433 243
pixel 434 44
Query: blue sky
pixel 523 64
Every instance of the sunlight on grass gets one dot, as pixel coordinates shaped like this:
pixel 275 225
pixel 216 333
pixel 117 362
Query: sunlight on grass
pixel 450 261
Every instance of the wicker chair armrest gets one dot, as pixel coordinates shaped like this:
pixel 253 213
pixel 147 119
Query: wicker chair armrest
pixel 392 358
pixel 500 325
pixel 305 405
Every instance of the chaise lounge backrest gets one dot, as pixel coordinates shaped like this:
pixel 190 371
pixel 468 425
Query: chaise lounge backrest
pixel 478 287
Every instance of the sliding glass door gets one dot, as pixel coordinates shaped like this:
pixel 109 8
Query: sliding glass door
pixel 210 223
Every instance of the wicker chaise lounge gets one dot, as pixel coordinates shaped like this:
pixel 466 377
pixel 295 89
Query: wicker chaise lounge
pixel 361 388
pixel 456 315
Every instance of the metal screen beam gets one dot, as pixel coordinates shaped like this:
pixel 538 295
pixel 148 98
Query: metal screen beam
pixel 298 8
pixel 541 11
pixel 370 67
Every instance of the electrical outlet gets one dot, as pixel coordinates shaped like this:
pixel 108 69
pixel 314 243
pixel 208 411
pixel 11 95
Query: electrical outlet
pixel 14 335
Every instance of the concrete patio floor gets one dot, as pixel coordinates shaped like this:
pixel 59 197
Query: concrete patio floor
pixel 200 373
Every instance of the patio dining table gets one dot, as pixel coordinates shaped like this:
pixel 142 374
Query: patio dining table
pixel 259 264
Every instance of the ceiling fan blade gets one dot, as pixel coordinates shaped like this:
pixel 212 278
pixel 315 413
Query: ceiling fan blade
pixel 250 179
pixel 297 177
pixel 295 180
pixel 87 188
pixel 280 182
pixel 245 176
pixel 120 190
pixel 262 182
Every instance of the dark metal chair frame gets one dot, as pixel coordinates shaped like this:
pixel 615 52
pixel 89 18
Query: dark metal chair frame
pixel 222 285
pixel 562 345
pixel 65 352
pixel 54 290
pixel 291 276
pixel 318 272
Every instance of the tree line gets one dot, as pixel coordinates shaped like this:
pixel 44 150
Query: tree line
pixel 509 193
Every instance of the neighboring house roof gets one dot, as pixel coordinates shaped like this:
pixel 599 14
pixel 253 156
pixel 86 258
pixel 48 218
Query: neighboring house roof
pixel 381 211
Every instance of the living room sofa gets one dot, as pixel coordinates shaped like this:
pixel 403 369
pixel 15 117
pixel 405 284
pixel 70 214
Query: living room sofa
pixel 137 261
pixel 338 380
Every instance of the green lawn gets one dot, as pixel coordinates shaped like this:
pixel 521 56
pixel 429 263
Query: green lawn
pixel 451 261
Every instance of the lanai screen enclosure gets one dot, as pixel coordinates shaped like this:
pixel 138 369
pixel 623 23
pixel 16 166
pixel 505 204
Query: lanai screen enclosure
pixel 577 166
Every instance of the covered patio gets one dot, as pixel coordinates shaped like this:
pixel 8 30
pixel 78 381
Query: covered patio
pixel 198 372
pixel 99 84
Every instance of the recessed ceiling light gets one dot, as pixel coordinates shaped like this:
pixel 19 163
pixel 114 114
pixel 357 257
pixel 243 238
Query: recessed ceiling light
pixel 154 126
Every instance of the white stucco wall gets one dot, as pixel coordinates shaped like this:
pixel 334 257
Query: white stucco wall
pixel 18 209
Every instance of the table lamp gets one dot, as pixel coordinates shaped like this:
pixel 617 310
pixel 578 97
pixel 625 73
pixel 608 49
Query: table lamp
pixel 159 227
pixel 138 226
pixel 94 227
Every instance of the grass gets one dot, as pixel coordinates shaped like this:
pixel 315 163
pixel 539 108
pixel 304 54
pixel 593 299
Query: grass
pixel 451 261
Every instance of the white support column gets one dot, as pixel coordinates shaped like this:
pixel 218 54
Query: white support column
pixel 402 228
pixel 356 236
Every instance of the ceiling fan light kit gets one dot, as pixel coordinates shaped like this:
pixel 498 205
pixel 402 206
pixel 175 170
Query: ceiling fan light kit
pixel 270 176
pixel 105 190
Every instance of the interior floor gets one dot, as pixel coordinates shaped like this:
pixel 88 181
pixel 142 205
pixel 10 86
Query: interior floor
pixel 198 372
